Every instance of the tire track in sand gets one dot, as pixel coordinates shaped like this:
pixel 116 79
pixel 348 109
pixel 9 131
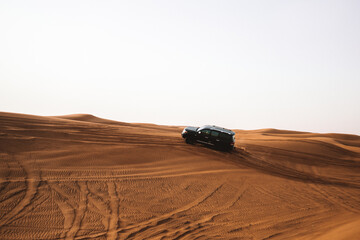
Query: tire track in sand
pixel 140 227
pixel 79 212
pixel 5 171
pixel 183 228
pixel 344 201
pixel 114 215
pixel 261 163
pixel 32 179
pixel 67 210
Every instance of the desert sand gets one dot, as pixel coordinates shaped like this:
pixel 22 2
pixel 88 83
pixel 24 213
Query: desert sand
pixel 83 177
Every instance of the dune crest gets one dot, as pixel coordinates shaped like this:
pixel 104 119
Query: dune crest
pixel 79 177
pixel 80 117
pixel 87 118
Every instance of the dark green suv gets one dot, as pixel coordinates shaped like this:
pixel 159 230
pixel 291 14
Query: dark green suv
pixel 210 135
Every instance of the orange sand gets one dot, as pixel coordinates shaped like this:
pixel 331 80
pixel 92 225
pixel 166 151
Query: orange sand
pixel 81 177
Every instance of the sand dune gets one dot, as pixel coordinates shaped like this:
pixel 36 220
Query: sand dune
pixel 80 177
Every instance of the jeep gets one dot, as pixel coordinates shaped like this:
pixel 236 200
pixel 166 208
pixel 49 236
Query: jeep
pixel 217 137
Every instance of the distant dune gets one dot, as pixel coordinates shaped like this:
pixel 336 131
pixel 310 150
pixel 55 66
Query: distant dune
pixel 83 177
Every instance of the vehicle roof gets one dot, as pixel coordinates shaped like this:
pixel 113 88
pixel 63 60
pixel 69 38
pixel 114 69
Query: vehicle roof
pixel 220 129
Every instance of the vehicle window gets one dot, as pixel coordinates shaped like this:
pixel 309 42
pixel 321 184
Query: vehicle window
pixel 206 131
pixel 214 133
pixel 226 136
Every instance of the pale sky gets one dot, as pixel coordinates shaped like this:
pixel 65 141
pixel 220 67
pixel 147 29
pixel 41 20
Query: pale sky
pixel 239 64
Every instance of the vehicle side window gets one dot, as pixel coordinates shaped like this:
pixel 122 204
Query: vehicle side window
pixel 225 136
pixel 206 132
pixel 214 133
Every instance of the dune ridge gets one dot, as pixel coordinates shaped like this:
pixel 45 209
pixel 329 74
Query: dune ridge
pixel 79 177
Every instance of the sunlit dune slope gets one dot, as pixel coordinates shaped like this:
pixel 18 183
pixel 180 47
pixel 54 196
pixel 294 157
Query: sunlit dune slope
pixel 93 119
pixel 80 177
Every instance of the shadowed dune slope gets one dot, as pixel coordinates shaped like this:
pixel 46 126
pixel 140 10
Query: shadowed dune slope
pixel 83 177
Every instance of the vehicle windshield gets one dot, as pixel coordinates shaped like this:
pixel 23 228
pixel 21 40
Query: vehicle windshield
pixel 201 128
